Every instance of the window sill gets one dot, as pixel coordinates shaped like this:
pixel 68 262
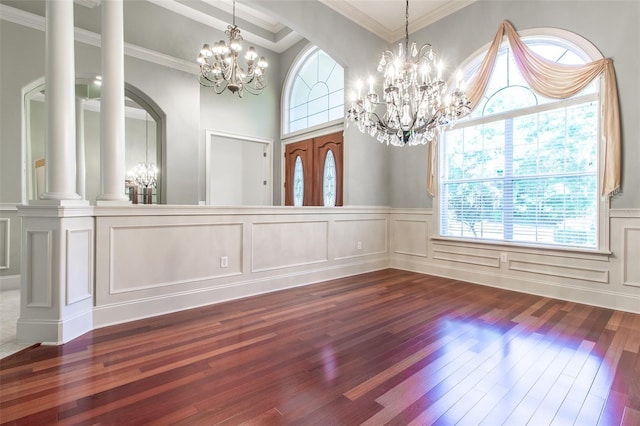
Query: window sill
pixel 573 252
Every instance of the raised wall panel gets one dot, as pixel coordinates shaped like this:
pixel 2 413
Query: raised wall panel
pixel 144 257
pixel 285 244
pixel 371 234
pixel 79 259
pixel 631 247
pixel 5 243
pixel 560 271
pixel 39 261
pixel 410 237
pixel 470 257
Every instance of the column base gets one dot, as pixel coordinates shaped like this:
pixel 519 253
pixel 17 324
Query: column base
pixel 57 279
pixel 54 332
pixel 60 196
pixel 112 200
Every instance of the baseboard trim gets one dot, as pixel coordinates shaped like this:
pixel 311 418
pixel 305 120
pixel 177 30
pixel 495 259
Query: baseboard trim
pixel 132 310
pixel 589 296
pixel 9 282
pixel 54 332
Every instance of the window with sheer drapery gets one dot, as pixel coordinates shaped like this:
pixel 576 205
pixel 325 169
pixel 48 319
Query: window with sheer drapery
pixel 541 145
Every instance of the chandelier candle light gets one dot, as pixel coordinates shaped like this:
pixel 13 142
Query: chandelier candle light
pixel 145 174
pixel 415 95
pixel 219 66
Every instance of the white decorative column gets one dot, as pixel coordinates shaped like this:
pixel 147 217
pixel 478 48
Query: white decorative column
pixel 60 155
pixel 56 283
pixel 80 158
pixel 112 147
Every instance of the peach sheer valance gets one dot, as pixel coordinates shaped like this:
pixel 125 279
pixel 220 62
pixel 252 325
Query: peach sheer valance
pixel 556 81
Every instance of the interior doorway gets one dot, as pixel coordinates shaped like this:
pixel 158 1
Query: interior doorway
pixel 238 170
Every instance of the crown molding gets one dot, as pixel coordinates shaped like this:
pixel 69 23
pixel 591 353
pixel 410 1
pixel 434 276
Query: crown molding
pixel 36 22
pixel 20 17
pixel 433 16
pixel 248 14
pixel 182 9
pixel 356 15
pixel 345 8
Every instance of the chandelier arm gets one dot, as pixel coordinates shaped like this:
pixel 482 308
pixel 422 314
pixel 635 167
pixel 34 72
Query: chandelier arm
pixel 219 88
pixel 207 80
pixel 388 53
pixel 422 54
pixel 429 124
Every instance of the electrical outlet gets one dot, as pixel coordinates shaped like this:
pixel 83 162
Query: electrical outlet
pixel 224 262
pixel 504 258
pixel 359 245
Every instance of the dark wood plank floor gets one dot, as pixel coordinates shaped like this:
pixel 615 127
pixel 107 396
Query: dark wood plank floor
pixel 389 347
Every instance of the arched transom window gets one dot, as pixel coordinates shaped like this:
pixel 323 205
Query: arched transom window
pixel 314 92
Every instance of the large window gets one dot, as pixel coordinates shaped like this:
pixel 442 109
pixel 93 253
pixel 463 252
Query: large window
pixel 314 93
pixel 523 168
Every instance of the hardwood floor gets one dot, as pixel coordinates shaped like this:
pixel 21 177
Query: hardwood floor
pixel 389 347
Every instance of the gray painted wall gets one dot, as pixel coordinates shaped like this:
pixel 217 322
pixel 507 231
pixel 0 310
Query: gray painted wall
pixel 374 173
pixel 251 116
pixel 612 26
pixel 366 165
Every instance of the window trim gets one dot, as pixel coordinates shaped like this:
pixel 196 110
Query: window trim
pixel 589 52
pixel 289 81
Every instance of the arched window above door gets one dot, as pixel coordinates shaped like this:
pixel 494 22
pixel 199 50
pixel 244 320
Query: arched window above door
pixel 313 93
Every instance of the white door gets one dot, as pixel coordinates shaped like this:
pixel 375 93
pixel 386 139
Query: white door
pixel 238 170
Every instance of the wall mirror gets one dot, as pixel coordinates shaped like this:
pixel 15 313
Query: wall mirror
pixel 144 138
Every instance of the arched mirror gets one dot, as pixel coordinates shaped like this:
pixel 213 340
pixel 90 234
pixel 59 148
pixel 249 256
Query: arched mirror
pixel 143 143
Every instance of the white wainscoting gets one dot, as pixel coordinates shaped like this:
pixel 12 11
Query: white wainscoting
pixel 5 242
pixel 152 260
pixel 9 247
pixel 161 259
pixel 39 268
pixel 602 279
pixel 9 282
pixel 286 244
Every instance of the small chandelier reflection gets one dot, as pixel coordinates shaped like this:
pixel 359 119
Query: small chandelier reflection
pixel 219 66
pixel 144 174
pixel 415 96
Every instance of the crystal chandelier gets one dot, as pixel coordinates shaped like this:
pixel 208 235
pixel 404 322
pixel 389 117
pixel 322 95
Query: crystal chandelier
pixel 219 66
pixel 415 95
pixel 145 174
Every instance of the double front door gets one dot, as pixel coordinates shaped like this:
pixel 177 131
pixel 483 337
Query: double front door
pixel 313 171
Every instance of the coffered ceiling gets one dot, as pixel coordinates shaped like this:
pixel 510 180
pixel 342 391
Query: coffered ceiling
pixel 385 18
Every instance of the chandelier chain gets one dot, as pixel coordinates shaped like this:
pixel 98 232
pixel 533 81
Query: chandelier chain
pixel 406 27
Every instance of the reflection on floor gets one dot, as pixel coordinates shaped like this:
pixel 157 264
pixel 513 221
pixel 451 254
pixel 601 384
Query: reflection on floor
pixel 9 313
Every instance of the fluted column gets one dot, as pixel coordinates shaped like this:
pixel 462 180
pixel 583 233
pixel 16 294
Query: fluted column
pixel 60 155
pixel 112 146
pixel 80 158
